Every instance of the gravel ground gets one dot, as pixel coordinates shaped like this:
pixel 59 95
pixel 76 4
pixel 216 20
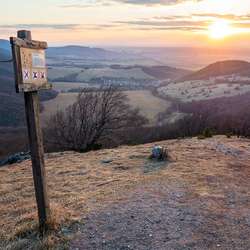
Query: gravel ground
pixel 161 216
pixel 120 199
pixel 204 204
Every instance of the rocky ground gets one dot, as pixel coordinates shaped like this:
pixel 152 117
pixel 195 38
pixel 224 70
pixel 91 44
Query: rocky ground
pixel 119 199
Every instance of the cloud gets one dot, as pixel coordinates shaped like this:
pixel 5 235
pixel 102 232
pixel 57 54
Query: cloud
pixel 87 4
pixel 154 2
pixel 175 25
pixel 231 17
pixel 195 22
pixel 40 26
pixel 131 2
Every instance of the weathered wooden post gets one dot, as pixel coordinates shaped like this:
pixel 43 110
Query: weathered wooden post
pixel 30 76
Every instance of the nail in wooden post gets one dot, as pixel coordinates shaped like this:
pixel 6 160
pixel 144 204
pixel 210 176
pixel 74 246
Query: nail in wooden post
pixel 37 150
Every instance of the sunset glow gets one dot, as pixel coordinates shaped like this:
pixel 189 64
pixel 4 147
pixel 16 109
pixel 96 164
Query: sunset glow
pixel 220 29
pixel 130 23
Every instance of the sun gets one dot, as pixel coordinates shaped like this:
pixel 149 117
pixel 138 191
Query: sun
pixel 220 29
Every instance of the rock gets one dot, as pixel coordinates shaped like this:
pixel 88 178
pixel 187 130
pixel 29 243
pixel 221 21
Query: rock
pixel 105 161
pixel 159 153
pixel 15 158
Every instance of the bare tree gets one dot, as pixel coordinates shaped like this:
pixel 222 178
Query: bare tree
pixel 95 115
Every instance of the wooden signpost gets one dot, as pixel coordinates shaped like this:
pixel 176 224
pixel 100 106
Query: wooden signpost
pixel 31 76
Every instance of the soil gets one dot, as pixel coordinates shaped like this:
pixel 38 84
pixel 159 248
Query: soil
pixel 175 213
pixel 117 199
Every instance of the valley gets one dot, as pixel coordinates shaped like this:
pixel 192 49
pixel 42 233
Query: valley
pixel 150 106
pixel 198 90
pixel 163 93
pixel 125 125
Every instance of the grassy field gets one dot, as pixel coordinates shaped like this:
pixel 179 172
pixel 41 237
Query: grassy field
pixel 193 200
pixel 85 75
pixel 62 101
pixel 149 105
pixel 202 90
pixel 58 72
pixel 136 73
pixel 65 86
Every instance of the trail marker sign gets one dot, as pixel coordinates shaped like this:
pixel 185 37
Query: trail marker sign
pixel 29 64
pixel 31 76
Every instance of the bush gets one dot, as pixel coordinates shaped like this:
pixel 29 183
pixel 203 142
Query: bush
pixel 207 133
pixel 96 117
pixel 229 135
pixel 201 137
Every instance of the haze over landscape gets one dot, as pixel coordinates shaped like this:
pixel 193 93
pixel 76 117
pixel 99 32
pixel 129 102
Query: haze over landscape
pixel 128 76
pixel 131 23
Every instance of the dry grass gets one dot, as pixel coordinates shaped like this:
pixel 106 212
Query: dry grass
pixel 149 105
pixel 61 102
pixel 80 183
pixel 12 140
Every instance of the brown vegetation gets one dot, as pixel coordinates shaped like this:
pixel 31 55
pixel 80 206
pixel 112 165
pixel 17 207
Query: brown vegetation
pixel 93 119
pixel 198 195
pixel 12 140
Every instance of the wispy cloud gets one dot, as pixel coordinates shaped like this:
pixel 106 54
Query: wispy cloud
pixel 192 23
pixel 153 2
pixel 87 4
pixel 182 23
pixel 40 26
pixel 131 2
pixel 231 17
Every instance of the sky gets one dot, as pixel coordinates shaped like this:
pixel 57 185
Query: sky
pixel 147 23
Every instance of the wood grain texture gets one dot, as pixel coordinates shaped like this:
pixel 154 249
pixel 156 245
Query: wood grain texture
pixel 37 157
pixel 17 45
pixel 24 43
pixel 34 130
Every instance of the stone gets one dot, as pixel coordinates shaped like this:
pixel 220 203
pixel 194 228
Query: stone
pixel 15 158
pixel 105 161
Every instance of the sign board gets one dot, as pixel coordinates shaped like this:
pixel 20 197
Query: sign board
pixel 30 76
pixel 30 65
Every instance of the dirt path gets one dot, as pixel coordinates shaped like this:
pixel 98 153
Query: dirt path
pixel 116 199
pixel 211 212
pixel 158 217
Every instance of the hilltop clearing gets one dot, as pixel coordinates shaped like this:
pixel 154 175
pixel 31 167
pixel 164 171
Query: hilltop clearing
pixel 119 199
pixel 150 106
pixel 221 68
pixel 203 90
pixel 221 79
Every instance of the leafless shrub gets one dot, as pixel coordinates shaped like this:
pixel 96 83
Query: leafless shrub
pixel 92 119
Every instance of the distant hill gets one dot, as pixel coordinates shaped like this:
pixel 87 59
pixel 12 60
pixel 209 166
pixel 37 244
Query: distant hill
pixel 71 51
pixel 4 44
pixel 241 68
pixel 157 72
pixel 165 72
pixel 75 52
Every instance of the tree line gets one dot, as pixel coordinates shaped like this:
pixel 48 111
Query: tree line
pixel 101 119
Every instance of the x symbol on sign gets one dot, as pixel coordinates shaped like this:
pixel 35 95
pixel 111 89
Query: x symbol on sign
pixel 26 74
pixel 35 76
pixel 42 75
